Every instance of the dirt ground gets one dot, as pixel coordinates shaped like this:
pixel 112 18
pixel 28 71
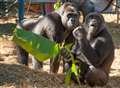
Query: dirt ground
pixel 14 75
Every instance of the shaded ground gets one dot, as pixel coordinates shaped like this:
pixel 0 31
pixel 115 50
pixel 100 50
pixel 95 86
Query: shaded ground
pixel 14 75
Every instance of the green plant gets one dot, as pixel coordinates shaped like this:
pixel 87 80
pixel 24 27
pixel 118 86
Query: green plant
pixel 39 46
pixel 73 70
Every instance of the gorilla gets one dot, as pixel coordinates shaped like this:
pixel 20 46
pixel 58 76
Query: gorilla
pixel 93 49
pixel 54 26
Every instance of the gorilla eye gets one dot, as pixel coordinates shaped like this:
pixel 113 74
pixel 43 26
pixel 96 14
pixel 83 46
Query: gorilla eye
pixel 71 15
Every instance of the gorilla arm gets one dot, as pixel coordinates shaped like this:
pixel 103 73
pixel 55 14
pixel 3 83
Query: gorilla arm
pixel 28 24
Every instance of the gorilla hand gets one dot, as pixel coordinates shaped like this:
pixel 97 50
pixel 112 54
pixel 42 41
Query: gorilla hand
pixel 79 33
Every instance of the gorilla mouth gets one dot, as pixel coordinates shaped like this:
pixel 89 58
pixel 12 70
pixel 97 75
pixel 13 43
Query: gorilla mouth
pixel 93 24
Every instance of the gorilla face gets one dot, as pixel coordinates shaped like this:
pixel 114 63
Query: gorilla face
pixel 92 27
pixel 70 17
pixel 70 20
pixel 93 24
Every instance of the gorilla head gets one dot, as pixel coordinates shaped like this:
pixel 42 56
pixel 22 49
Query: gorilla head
pixel 69 16
pixel 93 24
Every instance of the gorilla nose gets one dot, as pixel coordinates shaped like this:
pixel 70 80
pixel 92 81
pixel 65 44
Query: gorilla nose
pixel 93 23
pixel 73 21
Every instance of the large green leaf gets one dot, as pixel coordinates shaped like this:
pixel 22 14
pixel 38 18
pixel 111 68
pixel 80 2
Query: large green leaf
pixel 39 46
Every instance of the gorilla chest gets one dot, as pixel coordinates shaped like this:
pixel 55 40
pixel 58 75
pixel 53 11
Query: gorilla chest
pixel 92 43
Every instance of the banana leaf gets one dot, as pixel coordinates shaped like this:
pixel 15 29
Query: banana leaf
pixel 40 47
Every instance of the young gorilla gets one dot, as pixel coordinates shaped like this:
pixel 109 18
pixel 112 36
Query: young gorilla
pixel 52 26
pixel 93 49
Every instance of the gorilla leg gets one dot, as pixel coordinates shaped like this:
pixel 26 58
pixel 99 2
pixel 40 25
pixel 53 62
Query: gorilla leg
pixel 36 64
pixel 23 55
pixel 96 77
pixel 83 70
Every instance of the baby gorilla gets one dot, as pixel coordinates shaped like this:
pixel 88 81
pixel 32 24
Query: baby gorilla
pixel 93 49
pixel 53 26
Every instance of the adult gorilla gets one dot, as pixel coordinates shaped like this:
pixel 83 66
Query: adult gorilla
pixel 93 50
pixel 54 26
